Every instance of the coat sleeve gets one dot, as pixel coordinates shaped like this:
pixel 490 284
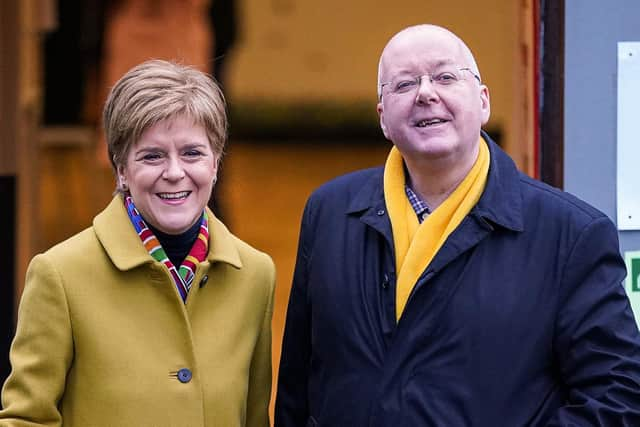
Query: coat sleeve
pixel 597 344
pixel 293 376
pixel 259 393
pixel 41 352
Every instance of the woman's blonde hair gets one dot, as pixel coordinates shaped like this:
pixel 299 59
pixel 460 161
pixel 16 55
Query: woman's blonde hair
pixel 158 90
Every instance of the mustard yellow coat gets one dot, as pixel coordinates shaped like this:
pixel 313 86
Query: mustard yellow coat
pixel 102 333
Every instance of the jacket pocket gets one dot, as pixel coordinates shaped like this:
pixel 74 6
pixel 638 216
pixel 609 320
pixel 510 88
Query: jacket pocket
pixel 311 422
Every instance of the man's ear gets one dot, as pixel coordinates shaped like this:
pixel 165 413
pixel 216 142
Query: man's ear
pixel 380 110
pixel 485 104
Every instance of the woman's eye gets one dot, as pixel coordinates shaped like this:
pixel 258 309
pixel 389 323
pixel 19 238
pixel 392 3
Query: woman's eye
pixel 151 157
pixel 193 153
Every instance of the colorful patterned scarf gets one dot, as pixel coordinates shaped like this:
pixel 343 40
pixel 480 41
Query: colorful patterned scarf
pixel 182 277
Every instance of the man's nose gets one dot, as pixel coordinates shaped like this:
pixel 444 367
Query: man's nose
pixel 427 91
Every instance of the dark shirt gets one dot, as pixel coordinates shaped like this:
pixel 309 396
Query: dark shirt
pixel 177 246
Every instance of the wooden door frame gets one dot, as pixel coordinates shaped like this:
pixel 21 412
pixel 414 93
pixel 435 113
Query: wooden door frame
pixel 9 77
pixel 551 91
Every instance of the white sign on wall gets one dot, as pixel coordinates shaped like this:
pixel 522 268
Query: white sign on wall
pixel 628 166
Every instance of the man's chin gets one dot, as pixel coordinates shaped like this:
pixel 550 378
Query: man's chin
pixel 435 149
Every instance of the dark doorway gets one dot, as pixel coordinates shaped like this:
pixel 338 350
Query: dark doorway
pixel 7 266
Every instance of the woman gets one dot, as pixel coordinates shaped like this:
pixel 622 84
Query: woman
pixel 156 315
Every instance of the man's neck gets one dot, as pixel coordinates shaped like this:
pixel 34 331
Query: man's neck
pixel 435 180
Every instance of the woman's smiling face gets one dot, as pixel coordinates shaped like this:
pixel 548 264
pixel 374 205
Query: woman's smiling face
pixel 170 173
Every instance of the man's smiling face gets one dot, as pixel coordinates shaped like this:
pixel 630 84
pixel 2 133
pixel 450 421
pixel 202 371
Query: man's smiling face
pixel 431 121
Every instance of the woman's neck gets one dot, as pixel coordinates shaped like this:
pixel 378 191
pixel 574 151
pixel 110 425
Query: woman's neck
pixel 177 246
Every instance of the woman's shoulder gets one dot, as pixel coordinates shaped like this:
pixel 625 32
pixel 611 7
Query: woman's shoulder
pixel 226 246
pixel 68 263
pixel 251 255
pixel 79 246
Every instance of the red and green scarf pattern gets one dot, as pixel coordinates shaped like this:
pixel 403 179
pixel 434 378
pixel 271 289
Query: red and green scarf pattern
pixel 183 276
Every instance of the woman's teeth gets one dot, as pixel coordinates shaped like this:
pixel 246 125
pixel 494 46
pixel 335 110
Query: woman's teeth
pixel 173 196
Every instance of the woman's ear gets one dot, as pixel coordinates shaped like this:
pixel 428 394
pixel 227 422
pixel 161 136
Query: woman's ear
pixel 122 179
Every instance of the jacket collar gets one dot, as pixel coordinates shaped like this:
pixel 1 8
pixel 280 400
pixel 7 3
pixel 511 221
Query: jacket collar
pixel 500 203
pixel 122 244
pixel 371 195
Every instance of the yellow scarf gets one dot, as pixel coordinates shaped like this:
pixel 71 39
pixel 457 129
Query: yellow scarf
pixel 416 244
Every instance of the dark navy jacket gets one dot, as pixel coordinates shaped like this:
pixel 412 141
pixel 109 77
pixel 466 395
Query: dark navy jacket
pixel 519 320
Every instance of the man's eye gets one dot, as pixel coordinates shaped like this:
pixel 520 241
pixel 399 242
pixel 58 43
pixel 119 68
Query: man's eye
pixel 405 85
pixel 446 77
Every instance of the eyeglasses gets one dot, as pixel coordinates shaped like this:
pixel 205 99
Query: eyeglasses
pixel 443 77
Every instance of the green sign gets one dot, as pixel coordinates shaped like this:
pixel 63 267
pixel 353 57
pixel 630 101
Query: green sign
pixel 633 281
pixel 634 274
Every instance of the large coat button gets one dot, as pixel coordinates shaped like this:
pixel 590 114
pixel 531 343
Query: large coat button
pixel 184 375
pixel 204 280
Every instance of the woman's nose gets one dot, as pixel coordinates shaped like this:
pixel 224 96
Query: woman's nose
pixel 174 170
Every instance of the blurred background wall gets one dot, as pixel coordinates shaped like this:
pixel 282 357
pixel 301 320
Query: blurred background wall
pixel 301 84
pixel 292 51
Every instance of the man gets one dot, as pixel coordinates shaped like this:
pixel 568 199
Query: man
pixel 447 288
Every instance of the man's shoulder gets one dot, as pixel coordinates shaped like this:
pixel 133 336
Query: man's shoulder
pixel 347 186
pixel 352 192
pixel 553 200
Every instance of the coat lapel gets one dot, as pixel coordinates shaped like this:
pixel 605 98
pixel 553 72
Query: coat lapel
pixel 369 204
pixel 222 244
pixel 118 237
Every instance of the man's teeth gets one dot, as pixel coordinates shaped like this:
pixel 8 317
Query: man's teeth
pixel 179 195
pixel 424 123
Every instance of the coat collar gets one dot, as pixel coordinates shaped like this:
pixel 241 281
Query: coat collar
pixel 122 244
pixel 500 203
pixel 370 195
